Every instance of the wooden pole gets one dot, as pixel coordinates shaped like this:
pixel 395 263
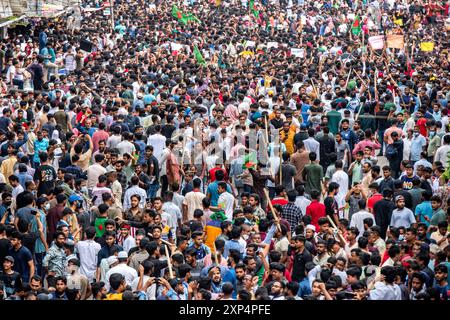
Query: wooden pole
pixel 271 208
pixel 348 77
pixel 281 162
pixel 266 123
pixel 412 52
pixel 169 264
pixel 315 89
pixel 335 227
pixel 215 253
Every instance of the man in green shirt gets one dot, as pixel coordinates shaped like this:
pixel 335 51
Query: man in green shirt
pixel 312 174
pixel 334 117
pixel 438 214
pixel 355 169
pixel 434 142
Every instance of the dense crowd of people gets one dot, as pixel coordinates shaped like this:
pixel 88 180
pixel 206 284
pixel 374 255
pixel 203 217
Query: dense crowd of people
pixel 227 150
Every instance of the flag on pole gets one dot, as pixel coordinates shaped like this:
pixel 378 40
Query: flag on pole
pixel 198 56
pixel 356 26
pixel 427 46
pixel 185 18
pixel 176 13
pixel 251 5
pixel 250 161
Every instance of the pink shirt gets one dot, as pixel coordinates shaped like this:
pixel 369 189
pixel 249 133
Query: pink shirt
pixel 98 136
pixel 366 143
pixel 390 130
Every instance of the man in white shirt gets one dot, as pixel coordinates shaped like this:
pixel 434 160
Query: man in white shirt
pixel 442 151
pixel 128 241
pixel 311 144
pixel 358 218
pixel 387 289
pixel 129 273
pixel 95 170
pixel 134 190
pixel 301 201
pixel 341 178
pixel 193 200
pixel 88 252
pixel 226 201
pixel 17 188
pixel 158 141
pixel 115 139
pixel 126 146
pixel 170 208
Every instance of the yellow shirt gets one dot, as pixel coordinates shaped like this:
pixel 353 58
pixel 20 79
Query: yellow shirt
pixel 114 296
pixel 7 167
pixel 289 142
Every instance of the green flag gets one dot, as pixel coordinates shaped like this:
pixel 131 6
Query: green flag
pixel 356 26
pixel 183 17
pixel 190 17
pixel 251 5
pixel 250 161
pixel 176 13
pixel 198 56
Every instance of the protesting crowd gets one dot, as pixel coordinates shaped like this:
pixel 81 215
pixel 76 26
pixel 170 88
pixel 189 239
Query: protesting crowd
pixel 227 150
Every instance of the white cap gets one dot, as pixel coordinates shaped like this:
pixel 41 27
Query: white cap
pixel 122 255
pixel 111 260
pixel 312 227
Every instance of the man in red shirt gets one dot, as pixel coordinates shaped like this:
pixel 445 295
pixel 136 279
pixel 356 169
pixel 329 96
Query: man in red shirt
pixel 422 122
pixel 83 114
pixel 376 196
pixel 212 172
pixel 280 197
pixel 315 209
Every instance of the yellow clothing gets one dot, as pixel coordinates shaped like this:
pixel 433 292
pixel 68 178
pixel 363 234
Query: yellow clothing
pixel 114 296
pixel 289 142
pixel 212 231
pixel 83 163
pixel 7 167
pixel 30 142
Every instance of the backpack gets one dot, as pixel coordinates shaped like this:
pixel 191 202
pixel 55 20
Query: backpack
pixel 391 152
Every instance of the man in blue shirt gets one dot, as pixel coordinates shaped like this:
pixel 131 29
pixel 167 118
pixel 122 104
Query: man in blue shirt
pixel 417 143
pixel 424 211
pixel 199 246
pixel 234 243
pixel 40 145
pixel 212 193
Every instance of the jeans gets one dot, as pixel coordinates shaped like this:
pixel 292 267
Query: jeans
pixel 248 188
pixel 38 261
pixel 18 83
pixel 152 190
pixel 272 192
pixel 381 139
pixel 164 185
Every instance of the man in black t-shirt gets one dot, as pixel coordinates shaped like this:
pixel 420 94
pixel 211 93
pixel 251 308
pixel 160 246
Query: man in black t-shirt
pixel 152 172
pixel 11 279
pixel 331 205
pixel 23 260
pixel 382 125
pixel 4 243
pixel 301 257
pixel 44 176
